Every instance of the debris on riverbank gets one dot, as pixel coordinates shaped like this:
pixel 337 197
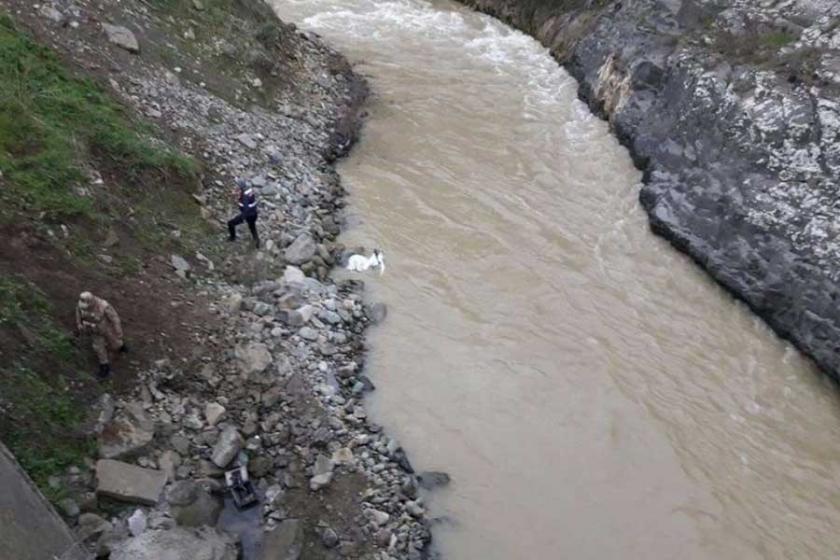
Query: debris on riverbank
pixel 731 110
pixel 260 358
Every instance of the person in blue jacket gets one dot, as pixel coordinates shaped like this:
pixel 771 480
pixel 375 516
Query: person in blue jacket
pixel 247 201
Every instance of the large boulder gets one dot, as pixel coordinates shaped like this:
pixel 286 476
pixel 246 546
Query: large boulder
pixel 283 543
pixel 129 483
pixel 177 544
pixel 302 249
pixel 191 505
pixel 128 434
pixel 91 526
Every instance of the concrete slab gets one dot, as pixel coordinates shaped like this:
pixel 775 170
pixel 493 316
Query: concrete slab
pixel 129 483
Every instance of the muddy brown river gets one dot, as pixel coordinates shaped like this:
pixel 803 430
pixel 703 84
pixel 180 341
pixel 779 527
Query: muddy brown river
pixel 592 393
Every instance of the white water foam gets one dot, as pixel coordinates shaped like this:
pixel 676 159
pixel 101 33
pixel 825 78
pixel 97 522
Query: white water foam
pixel 515 57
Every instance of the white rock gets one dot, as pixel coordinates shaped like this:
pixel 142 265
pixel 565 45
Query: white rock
pixel 380 518
pixel 319 481
pixel 253 358
pixel 247 140
pixel 122 37
pixel 137 523
pixel 308 333
pixel 213 412
pixel 293 275
pixel 229 444
pixel 306 312
pixel 51 13
pixel 181 266
pixel 168 462
pixel 343 456
pixel 234 303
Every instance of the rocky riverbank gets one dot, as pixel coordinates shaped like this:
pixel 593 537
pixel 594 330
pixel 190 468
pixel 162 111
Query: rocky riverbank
pixel 731 111
pixel 273 376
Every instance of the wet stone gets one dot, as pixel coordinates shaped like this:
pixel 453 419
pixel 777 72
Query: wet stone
pixel 430 480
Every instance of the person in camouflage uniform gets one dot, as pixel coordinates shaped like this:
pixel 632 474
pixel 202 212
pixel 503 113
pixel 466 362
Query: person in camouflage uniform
pixel 96 318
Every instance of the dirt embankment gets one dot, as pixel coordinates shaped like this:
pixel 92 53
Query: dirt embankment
pixel 122 126
pixel 731 110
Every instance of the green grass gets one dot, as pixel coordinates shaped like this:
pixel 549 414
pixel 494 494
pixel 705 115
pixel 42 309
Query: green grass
pixel 54 128
pixel 777 39
pixel 755 46
pixel 52 123
pixel 43 413
pixel 25 308
pixel 35 415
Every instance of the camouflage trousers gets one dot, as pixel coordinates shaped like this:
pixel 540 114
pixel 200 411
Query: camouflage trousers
pixel 103 345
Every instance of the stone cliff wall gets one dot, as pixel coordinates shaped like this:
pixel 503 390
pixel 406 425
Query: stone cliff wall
pixel 731 110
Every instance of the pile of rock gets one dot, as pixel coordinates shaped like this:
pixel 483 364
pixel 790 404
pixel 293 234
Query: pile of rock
pixel 286 396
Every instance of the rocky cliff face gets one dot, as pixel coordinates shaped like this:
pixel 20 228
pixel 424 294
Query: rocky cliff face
pixel 731 109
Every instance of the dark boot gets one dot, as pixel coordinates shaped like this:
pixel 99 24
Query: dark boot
pixel 104 371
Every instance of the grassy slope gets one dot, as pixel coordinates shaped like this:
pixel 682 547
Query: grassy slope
pixel 51 124
pixel 55 129
pixel 38 414
pixel 58 134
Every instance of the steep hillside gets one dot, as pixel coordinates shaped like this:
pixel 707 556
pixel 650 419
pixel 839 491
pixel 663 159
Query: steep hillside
pixel 123 124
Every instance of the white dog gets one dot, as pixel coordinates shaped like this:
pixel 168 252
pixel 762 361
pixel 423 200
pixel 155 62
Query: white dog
pixel 360 263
